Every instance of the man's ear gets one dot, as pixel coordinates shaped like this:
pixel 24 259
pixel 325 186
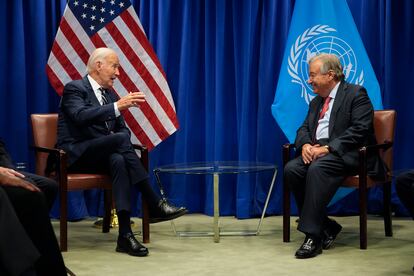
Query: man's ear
pixel 98 65
pixel 331 74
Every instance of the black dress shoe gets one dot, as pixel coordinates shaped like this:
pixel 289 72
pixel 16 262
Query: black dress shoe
pixel 166 212
pixel 330 233
pixel 128 244
pixel 310 248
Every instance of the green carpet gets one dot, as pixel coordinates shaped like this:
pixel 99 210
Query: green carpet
pixel 92 252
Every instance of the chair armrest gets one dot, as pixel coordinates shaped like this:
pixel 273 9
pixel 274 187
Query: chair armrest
pixel 47 150
pixel 384 146
pixel 365 150
pixel 288 146
pixel 286 149
pixel 363 156
pixel 59 159
pixel 59 155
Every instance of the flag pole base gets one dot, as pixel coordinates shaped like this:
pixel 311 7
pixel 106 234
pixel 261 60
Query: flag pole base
pixel 113 222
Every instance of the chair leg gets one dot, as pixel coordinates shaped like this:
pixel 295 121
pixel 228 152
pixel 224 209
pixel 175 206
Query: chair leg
pixel 63 221
pixel 286 213
pixel 145 222
pixel 387 209
pixel 363 216
pixel 107 211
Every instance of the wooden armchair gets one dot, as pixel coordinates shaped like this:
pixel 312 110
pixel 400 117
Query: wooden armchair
pixel 45 135
pixel 384 126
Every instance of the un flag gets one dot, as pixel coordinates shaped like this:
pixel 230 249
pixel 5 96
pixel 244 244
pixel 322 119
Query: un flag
pixel 319 26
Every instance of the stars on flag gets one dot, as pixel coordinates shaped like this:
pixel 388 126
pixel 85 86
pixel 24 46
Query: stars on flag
pixel 93 14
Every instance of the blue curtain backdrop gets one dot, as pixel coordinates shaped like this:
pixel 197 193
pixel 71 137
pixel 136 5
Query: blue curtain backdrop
pixel 222 60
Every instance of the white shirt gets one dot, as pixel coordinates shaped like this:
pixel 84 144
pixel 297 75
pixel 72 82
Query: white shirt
pixel 322 132
pixel 98 93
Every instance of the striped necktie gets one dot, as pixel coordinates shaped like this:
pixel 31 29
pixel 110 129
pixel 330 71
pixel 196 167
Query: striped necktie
pixel 104 96
pixel 105 101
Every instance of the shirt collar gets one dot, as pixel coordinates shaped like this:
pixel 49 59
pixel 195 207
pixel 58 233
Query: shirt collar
pixel 334 91
pixel 94 84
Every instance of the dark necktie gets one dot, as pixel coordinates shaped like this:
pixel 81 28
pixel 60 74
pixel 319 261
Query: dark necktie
pixel 105 101
pixel 104 96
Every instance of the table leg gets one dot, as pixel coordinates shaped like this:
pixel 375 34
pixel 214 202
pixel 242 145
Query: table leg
pixel 266 202
pixel 216 208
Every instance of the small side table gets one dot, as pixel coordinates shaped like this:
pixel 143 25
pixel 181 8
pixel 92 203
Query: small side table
pixel 216 169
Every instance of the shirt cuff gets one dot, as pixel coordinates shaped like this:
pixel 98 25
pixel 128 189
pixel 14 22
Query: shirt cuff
pixel 117 112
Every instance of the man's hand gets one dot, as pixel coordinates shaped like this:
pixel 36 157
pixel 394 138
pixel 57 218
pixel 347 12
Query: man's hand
pixel 133 99
pixel 10 177
pixel 318 151
pixel 310 153
pixel 307 153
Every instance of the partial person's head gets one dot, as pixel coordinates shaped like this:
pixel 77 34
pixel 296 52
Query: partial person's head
pixel 103 66
pixel 325 71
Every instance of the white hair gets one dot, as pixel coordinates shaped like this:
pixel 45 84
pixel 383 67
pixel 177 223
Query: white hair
pixel 98 54
pixel 329 62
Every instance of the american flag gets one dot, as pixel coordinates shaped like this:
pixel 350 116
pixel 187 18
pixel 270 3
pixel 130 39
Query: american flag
pixel 90 24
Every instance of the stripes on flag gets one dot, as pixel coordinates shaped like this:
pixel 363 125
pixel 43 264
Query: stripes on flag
pixel 87 25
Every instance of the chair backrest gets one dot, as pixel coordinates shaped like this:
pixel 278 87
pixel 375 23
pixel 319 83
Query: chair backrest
pixel 44 128
pixel 384 126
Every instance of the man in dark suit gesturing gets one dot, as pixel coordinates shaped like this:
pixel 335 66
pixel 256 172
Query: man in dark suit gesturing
pixel 92 131
pixel 339 121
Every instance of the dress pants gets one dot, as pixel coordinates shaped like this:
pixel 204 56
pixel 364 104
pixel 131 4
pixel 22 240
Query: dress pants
pixel 17 252
pixel 313 186
pixel 27 237
pixel 46 185
pixel 404 185
pixel 115 153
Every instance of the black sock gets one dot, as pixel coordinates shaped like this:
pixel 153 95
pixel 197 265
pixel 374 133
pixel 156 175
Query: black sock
pixel 124 220
pixel 315 238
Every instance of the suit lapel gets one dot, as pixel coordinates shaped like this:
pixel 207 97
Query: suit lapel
pixel 91 93
pixel 315 114
pixel 337 104
pixel 313 117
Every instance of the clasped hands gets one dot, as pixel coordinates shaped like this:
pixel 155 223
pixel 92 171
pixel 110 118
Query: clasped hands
pixel 133 99
pixel 310 153
pixel 10 177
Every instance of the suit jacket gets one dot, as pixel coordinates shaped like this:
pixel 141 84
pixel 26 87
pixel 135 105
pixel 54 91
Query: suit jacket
pixel 82 118
pixel 350 127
